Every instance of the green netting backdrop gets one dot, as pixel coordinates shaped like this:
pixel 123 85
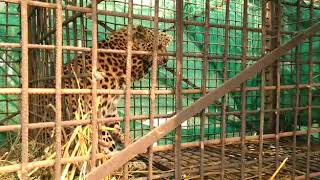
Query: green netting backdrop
pixel 193 43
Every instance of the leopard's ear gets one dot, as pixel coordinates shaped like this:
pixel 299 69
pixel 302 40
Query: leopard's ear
pixel 139 33
pixel 140 28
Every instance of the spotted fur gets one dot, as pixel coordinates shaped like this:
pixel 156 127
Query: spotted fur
pixel 111 74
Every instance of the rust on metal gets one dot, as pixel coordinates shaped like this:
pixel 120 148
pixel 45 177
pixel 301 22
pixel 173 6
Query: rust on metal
pixel 234 140
pixel 127 97
pixel 58 105
pixel 178 87
pixel 135 117
pixel 311 175
pixel 44 43
pixel 203 85
pixel 262 92
pixel 225 97
pixel 140 92
pixel 297 98
pixel 94 123
pixel 153 84
pixel 244 89
pixel 24 91
pixel 42 125
pixel 310 96
pixel 275 42
pixel 140 145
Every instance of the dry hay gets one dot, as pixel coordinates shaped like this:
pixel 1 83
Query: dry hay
pixel 75 142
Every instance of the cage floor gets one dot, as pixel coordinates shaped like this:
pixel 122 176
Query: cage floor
pixel 164 161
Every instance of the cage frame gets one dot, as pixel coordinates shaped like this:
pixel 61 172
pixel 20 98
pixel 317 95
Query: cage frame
pixel 275 48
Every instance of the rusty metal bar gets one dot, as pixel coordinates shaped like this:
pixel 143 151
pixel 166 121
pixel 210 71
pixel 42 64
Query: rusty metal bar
pixel 225 97
pixel 204 85
pixel 128 86
pixel 141 145
pixel 269 70
pixel 76 122
pixel 310 98
pixel 87 9
pixel 277 16
pixel 58 73
pixel 75 48
pixel 272 43
pixel 94 106
pixel 7 64
pixel 67 35
pixel 262 91
pixel 24 91
pixel 243 88
pixel 117 51
pixel 136 117
pixel 47 163
pixel 83 24
pixel 234 140
pixel 154 83
pixel 33 3
pixel 311 175
pixel 178 93
pixel 50 40
pixel 193 169
pixel 120 14
pixel 6 169
pixel 297 98
pixel 75 30
pixel 140 92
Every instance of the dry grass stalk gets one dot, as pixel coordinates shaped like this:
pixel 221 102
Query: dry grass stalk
pixel 279 168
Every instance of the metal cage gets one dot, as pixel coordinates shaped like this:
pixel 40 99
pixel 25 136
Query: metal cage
pixel 238 98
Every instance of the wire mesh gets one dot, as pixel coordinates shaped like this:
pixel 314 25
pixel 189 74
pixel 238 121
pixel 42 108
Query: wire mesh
pixel 213 42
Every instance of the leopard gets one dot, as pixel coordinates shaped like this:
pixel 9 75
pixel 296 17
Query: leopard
pixel 110 74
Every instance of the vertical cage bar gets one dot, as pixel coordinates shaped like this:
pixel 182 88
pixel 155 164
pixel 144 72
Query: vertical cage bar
pixel 83 39
pixel 310 83
pixel 24 90
pixel 262 90
pixel 33 18
pixel 49 41
pixel 178 93
pixel 297 97
pixel 204 84
pixel 82 27
pixel 94 84
pixel 128 85
pixel 261 129
pixel 243 87
pixel 75 30
pixel 67 34
pixel 225 78
pixel 7 22
pixel 6 52
pixel 272 43
pixel 58 73
pixel 154 82
pixel 277 24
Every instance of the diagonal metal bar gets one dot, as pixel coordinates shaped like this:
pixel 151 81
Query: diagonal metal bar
pixel 141 145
